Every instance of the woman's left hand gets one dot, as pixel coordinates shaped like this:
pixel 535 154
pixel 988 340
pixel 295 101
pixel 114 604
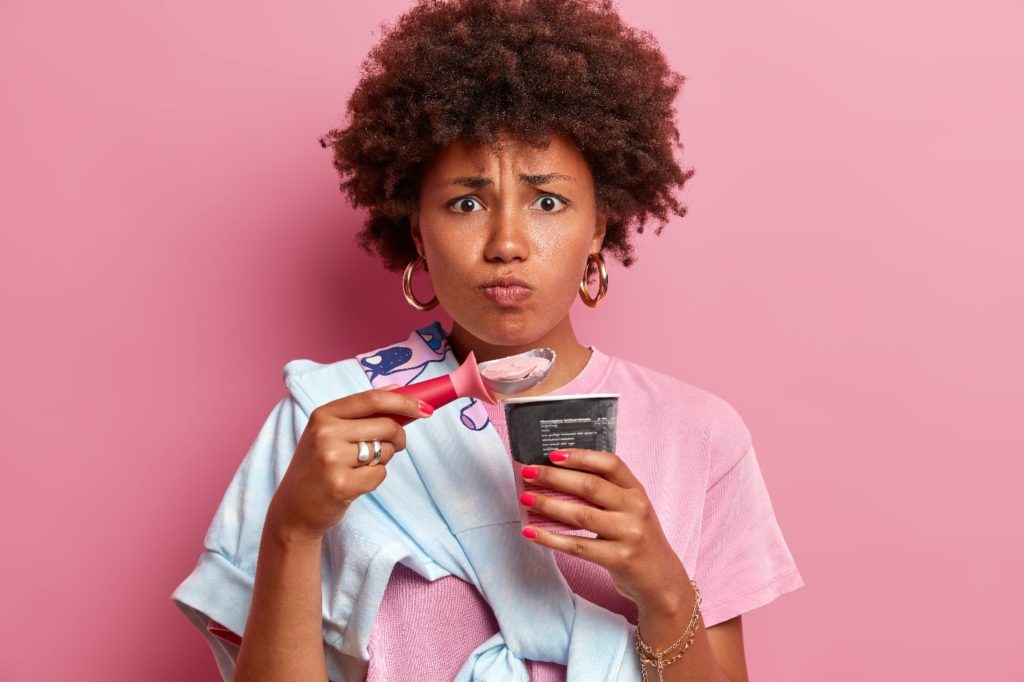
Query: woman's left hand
pixel 630 542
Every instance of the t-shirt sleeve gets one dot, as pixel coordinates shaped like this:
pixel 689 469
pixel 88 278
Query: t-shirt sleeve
pixel 743 561
pixel 216 596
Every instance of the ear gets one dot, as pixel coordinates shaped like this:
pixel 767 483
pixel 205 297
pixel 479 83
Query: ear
pixel 414 230
pixel 600 229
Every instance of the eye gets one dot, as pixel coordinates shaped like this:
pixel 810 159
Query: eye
pixel 466 203
pixel 549 203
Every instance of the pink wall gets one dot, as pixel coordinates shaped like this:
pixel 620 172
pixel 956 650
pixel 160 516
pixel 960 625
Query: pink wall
pixel 172 235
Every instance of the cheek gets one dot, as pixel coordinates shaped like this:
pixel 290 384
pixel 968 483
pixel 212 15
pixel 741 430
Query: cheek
pixel 451 269
pixel 566 260
pixel 564 280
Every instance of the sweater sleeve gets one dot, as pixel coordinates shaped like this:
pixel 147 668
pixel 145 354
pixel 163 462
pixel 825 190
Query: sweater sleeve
pixel 743 561
pixel 216 596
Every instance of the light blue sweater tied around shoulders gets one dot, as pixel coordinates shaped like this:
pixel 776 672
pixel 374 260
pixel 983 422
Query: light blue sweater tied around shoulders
pixel 448 507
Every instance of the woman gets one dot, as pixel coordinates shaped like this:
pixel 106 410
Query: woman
pixel 503 147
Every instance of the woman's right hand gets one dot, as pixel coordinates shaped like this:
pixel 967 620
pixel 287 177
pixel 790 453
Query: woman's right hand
pixel 325 475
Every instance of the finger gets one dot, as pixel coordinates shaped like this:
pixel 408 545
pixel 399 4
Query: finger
pixel 606 464
pixel 367 477
pixel 371 402
pixel 590 487
pixel 340 433
pixel 388 450
pixel 597 550
pixel 607 524
pixel 370 428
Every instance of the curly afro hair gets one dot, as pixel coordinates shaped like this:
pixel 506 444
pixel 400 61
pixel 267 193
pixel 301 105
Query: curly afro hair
pixel 475 69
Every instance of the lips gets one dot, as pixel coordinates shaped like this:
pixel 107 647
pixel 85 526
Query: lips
pixel 507 291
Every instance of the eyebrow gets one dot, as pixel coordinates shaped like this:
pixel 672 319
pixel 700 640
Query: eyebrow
pixel 480 181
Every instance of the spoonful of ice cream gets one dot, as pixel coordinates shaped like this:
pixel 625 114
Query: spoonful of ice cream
pixel 517 373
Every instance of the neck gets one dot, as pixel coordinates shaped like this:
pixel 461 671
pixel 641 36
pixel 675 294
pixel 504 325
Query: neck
pixel 571 355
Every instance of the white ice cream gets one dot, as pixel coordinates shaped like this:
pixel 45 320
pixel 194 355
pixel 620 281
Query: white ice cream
pixel 514 368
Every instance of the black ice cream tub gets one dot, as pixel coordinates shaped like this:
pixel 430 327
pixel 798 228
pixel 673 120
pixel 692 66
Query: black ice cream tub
pixel 539 424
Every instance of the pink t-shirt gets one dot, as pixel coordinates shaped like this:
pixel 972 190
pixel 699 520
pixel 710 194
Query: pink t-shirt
pixel 692 452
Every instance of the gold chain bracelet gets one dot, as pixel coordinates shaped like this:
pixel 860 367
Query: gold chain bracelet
pixel 658 662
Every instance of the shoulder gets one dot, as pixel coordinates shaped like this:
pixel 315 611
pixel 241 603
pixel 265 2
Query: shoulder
pixel 311 383
pixel 724 433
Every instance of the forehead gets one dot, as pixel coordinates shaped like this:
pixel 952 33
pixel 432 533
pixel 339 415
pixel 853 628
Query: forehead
pixel 561 154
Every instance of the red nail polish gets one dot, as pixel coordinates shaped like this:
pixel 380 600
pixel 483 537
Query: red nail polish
pixel 426 408
pixel 558 455
pixel 530 472
pixel 530 533
pixel 527 499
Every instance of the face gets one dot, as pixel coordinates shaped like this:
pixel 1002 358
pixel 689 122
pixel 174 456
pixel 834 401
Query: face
pixel 506 235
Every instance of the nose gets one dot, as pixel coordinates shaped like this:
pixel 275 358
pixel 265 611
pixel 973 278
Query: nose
pixel 508 239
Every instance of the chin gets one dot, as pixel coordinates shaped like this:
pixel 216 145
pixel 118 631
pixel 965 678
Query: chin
pixel 508 330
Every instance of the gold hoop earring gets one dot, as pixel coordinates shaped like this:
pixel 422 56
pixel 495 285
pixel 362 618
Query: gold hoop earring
pixel 603 272
pixel 407 287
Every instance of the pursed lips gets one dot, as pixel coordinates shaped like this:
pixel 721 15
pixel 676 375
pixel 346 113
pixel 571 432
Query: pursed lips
pixel 506 290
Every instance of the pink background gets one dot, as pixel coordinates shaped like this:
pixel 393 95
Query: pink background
pixel 173 234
